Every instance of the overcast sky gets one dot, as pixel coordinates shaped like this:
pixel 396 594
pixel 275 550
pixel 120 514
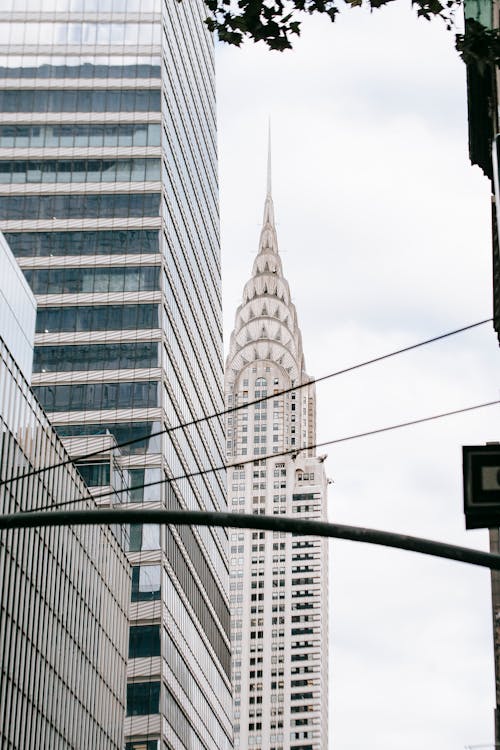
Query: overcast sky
pixel 384 231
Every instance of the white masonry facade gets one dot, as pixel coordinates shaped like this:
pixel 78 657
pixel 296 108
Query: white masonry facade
pixel 279 582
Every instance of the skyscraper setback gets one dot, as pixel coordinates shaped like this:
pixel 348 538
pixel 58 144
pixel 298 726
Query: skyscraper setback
pixel 279 582
pixel 108 199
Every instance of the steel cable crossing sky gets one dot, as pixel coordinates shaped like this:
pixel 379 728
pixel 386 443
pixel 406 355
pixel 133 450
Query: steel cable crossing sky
pixel 239 407
pixel 291 451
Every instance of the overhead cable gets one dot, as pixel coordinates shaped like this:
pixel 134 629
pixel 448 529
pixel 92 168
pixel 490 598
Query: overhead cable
pixel 295 451
pixel 239 407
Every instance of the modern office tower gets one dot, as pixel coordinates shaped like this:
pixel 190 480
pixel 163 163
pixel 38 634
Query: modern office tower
pixel 108 197
pixel 279 582
pixel 64 594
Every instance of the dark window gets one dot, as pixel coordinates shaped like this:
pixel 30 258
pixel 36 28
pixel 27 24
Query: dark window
pixel 86 70
pixel 143 698
pixel 98 318
pixel 95 475
pixel 96 396
pixel 85 206
pixel 82 170
pixel 138 432
pixel 80 135
pixel 145 583
pixel 144 640
pixel 79 100
pixel 75 280
pixel 95 357
pixel 120 241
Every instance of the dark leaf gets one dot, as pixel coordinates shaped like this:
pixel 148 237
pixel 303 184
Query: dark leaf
pixel 273 23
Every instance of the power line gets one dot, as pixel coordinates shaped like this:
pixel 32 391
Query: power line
pixel 303 527
pixel 230 410
pixel 270 456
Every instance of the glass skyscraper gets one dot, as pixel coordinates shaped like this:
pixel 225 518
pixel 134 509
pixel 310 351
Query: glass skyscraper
pixel 108 199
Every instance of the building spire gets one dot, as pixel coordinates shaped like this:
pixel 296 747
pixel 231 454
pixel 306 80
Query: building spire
pixel 269 158
pixel 268 205
pixel 266 326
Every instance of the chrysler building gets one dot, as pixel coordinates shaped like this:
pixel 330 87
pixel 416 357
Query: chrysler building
pixel 279 582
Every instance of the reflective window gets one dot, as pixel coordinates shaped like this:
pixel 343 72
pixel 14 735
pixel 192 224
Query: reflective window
pixel 144 537
pixel 145 583
pixel 74 280
pixel 95 357
pixel 80 70
pixel 144 640
pixel 102 206
pixel 119 241
pixel 143 698
pixel 82 6
pixel 98 318
pixel 79 33
pixel 183 726
pixel 95 396
pixel 123 432
pixel 140 477
pixel 95 475
pixel 83 170
pixel 79 100
pixel 79 135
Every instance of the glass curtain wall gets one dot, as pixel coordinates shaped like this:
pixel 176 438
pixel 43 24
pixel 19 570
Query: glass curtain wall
pixel 109 198
pixel 64 595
